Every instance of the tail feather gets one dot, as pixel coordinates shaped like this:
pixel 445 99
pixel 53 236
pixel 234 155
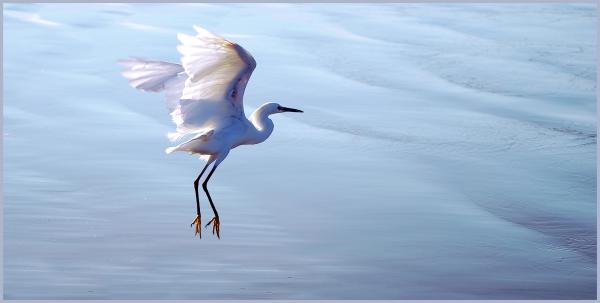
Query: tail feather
pixel 174 136
pixel 149 75
pixel 171 149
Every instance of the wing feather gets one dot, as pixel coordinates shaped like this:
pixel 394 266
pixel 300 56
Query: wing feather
pixel 217 68
pixel 149 75
pixel 217 72
pixel 206 91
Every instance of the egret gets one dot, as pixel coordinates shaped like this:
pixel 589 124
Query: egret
pixel 204 96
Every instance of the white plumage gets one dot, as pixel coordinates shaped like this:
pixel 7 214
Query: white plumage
pixel 205 99
pixel 206 88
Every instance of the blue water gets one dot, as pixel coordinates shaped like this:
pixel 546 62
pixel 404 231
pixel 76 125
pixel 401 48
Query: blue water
pixel 445 152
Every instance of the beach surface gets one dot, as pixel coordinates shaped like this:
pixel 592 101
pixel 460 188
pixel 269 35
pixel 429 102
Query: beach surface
pixel 445 152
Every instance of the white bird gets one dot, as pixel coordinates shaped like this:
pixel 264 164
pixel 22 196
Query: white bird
pixel 205 99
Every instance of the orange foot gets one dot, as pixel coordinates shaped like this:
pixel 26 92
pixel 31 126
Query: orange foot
pixel 198 225
pixel 216 225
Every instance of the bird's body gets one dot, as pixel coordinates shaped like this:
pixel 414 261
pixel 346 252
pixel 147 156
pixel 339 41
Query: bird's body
pixel 205 99
pixel 237 132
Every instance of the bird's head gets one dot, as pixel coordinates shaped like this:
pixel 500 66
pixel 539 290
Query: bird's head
pixel 275 108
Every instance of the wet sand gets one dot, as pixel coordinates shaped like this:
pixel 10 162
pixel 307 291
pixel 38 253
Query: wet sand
pixel 445 152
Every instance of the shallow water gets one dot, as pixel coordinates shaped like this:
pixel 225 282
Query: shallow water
pixel 446 151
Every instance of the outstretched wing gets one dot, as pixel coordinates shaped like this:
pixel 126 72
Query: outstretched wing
pixel 149 75
pixel 217 73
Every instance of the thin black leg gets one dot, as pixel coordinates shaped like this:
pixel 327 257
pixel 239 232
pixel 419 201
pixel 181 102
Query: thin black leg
pixel 196 182
pixel 197 221
pixel 215 220
pixel 205 187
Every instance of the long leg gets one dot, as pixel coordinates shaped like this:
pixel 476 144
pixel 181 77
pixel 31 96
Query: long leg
pixel 215 220
pixel 197 219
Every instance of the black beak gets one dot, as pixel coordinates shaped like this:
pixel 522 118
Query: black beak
pixel 287 109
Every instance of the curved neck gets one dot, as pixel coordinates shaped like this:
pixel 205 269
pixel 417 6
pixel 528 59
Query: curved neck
pixel 262 124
